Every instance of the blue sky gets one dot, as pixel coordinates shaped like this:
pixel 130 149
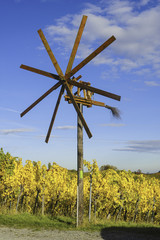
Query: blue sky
pixel 129 67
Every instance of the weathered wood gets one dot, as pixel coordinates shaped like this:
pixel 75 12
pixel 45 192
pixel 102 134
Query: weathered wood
pixel 50 53
pixel 80 115
pixel 85 101
pixel 19 196
pixel 80 206
pixel 76 44
pixel 89 94
pixel 47 74
pixel 95 90
pixel 78 92
pixel 67 83
pixel 54 114
pixel 77 84
pixel 40 99
pixel 85 93
pixel 100 104
pixel 60 73
pixel 90 197
pixel 90 57
pixel 79 89
pixel 80 100
pixel 77 78
pixel 41 72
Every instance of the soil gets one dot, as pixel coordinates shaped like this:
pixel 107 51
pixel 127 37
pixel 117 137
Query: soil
pixel 7 233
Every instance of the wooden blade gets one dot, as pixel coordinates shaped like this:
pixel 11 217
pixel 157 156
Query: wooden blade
pixel 90 57
pixel 50 53
pixel 41 72
pixel 76 44
pixel 79 77
pixel 54 114
pixel 44 73
pixel 40 99
pixel 77 110
pixel 77 84
pixel 95 90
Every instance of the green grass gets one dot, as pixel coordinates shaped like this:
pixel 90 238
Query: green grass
pixel 26 220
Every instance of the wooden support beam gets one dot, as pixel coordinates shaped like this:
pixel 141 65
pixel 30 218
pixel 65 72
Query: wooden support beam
pixel 78 92
pixel 96 103
pixel 84 93
pixel 74 79
pixel 85 102
pixel 77 110
pixel 89 95
pixel 76 44
pixel 79 100
pixel 80 200
pixel 90 57
pixel 80 89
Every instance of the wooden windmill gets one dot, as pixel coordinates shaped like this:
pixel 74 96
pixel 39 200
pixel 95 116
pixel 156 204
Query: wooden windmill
pixel 67 83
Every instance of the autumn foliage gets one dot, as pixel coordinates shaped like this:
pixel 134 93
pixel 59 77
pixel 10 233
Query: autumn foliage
pixel 118 195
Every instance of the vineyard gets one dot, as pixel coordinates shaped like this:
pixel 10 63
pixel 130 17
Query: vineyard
pixel 37 189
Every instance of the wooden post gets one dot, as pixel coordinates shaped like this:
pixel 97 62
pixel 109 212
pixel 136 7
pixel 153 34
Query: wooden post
pixel 80 208
pixel 90 197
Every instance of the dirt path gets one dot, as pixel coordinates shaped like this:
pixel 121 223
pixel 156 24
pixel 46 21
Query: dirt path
pixel 28 234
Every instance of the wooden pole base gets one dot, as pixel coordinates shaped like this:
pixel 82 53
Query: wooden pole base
pixel 80 208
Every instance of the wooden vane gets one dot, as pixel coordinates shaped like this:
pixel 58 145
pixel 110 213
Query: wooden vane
pixel 66 83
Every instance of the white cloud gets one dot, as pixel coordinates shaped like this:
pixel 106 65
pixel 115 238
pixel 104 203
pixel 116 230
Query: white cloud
pixel 149 146
pixel 120 8
pixel 152 83
pixel 136 30
pixel 65 127
pixel 9 110
pixel 16 130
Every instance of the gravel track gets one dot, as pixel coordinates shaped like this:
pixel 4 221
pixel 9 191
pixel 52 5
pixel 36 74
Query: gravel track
pixel 28 234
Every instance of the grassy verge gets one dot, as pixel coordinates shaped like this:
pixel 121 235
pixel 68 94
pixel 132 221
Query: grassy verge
pixel 26 220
